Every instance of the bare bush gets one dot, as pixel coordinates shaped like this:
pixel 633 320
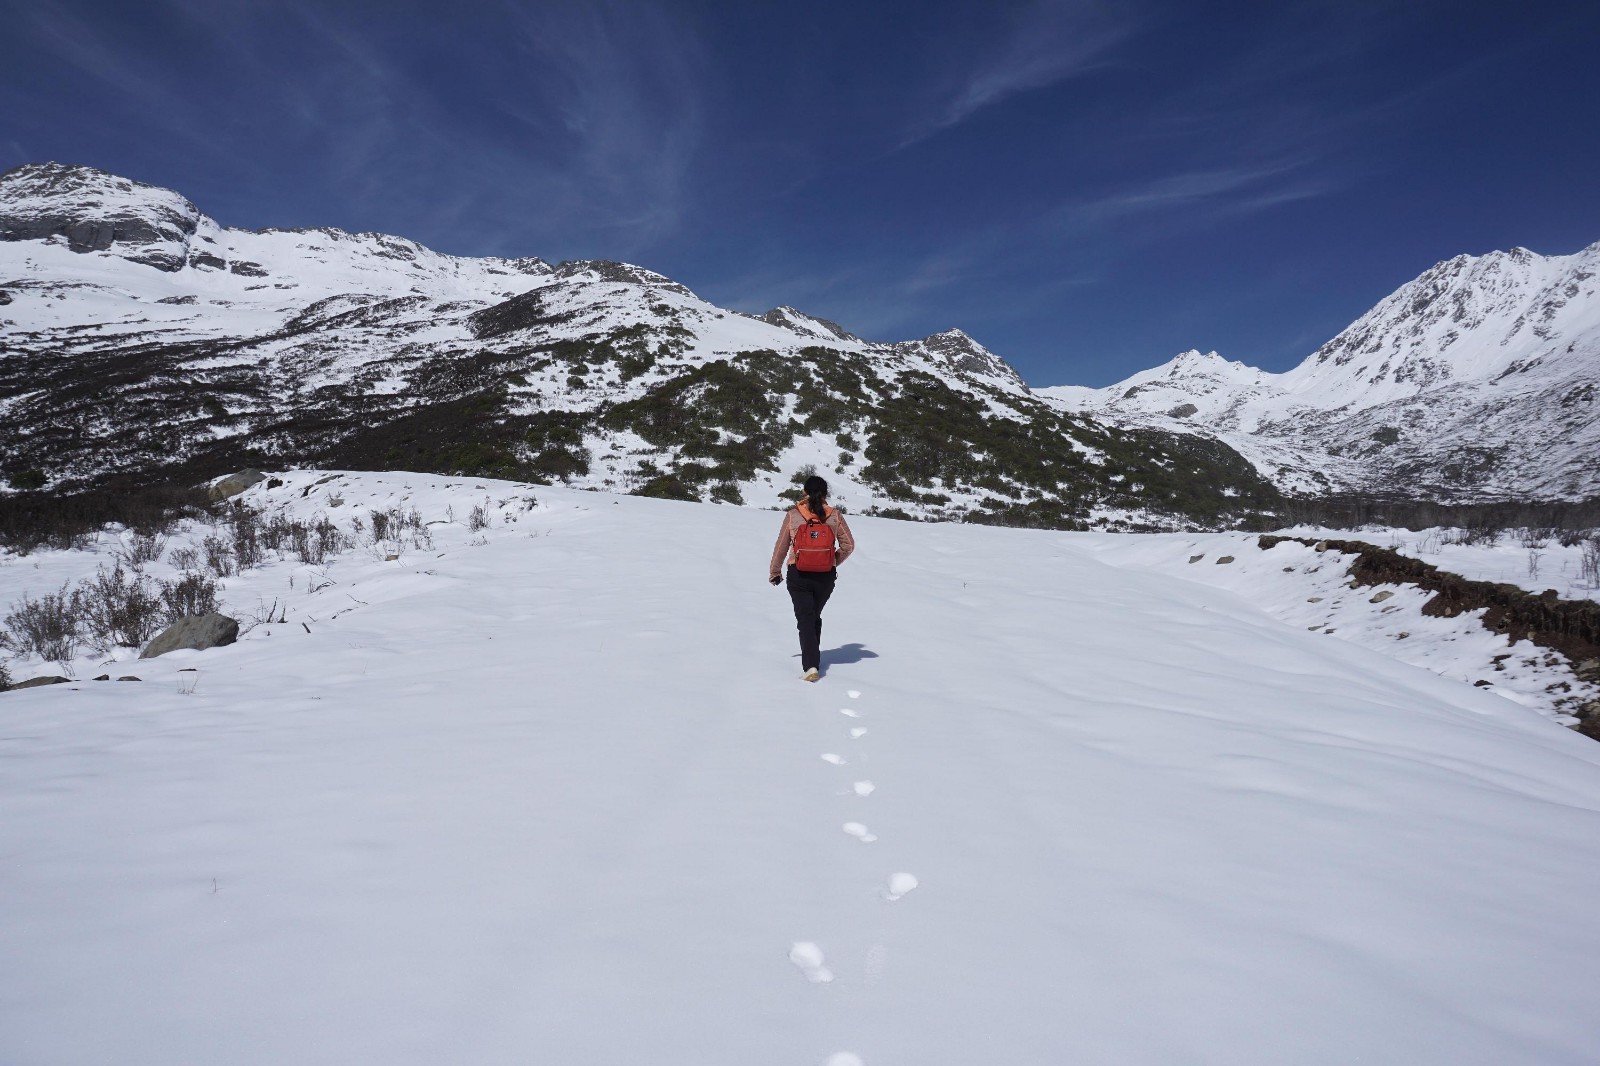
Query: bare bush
pixel 144 548
pixel 116 609
pixel 400 524
pixel 318 540
pixel 5 676
pixel 266 614
pixel 478 518
pixel 244 529
pixel 193 593
pixel 46 627
pixel 1589 563
pixel 1533 537
pixel 185 559
pixel 1572 538
pixel 218 555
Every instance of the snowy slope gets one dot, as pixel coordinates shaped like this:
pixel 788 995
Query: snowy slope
pixel 551 793
pixel 1476 380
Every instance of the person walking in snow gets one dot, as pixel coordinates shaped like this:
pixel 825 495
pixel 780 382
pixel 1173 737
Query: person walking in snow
pixel 813 542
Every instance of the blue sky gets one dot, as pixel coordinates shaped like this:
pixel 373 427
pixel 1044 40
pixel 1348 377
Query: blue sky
pixel 1087 188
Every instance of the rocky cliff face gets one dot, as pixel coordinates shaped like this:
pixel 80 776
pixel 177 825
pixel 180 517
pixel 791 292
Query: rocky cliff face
pixel 181 348
pixel 96 212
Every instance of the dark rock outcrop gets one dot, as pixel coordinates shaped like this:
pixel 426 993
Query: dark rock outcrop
pixel 40 682
pixel 96 212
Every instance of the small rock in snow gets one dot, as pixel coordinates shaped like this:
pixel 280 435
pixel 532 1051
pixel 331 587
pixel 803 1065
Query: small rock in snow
pixel 1380 597
pixel 1225 560
pixel 39 682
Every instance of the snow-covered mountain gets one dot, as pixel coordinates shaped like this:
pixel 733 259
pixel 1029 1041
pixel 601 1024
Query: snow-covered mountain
pixel 142 339
pixel 1475 381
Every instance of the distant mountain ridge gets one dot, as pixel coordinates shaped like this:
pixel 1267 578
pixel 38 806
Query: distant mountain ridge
pixel 137 334
pixel 142 340
pixel 1475 381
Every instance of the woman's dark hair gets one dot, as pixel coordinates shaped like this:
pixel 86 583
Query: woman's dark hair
pixel 817 495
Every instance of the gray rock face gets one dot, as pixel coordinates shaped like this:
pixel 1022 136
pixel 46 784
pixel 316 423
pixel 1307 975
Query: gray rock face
pixel 196 631
pixel 97 212
pixel 40 682
pixel 963 354
pixel 611 270
pixel 234 484
pixel 788 318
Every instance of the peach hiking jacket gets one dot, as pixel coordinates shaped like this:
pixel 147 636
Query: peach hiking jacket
pixel 783 552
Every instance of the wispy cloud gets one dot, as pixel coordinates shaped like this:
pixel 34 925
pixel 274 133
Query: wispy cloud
pixel 1203 195
pixel 575 130
pixel 1047 42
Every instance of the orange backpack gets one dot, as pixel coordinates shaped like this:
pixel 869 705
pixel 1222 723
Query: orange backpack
pixel 813 543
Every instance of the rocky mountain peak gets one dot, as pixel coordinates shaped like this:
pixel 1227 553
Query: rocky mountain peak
pixel 96 212
pixel 613 271
pixel 958 351
pixel 793 318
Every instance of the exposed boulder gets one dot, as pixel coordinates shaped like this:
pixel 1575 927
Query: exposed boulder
pixel 234 484
pixel 194 631
pixel 39 682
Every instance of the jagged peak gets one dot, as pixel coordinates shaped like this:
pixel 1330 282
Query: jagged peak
pixel 616 271
pixel 960 352
pixel 792 318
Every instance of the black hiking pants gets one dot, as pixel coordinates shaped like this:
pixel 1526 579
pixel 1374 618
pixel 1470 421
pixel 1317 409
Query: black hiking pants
pixel 810 593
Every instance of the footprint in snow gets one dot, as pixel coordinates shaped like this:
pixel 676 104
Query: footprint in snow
pixel 899 885
pixel 865 788
pixel 857 734
pixel 848 713
pixel 854 693
pixel 860 832
pixel 844 1058
pixel 832 758
pixel 808 957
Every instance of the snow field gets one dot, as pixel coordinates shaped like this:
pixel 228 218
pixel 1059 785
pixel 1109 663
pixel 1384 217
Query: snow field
pixel 552 792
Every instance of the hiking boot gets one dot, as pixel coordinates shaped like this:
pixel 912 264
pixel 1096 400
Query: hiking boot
pixel 812 674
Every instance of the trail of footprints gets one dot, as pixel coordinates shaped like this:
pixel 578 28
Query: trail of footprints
pixel 806 955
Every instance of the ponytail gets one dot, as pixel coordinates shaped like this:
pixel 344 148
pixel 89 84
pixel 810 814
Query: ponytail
pixel 816 491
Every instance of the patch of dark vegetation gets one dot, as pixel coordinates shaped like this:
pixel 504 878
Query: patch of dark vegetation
pixel 721 420
pixel 555 439
pixel 929 432
pixel 471 437
pixel 667 487
pixel 1570 627
pixel 1348 511
pixel 32 520
pixel 527 311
